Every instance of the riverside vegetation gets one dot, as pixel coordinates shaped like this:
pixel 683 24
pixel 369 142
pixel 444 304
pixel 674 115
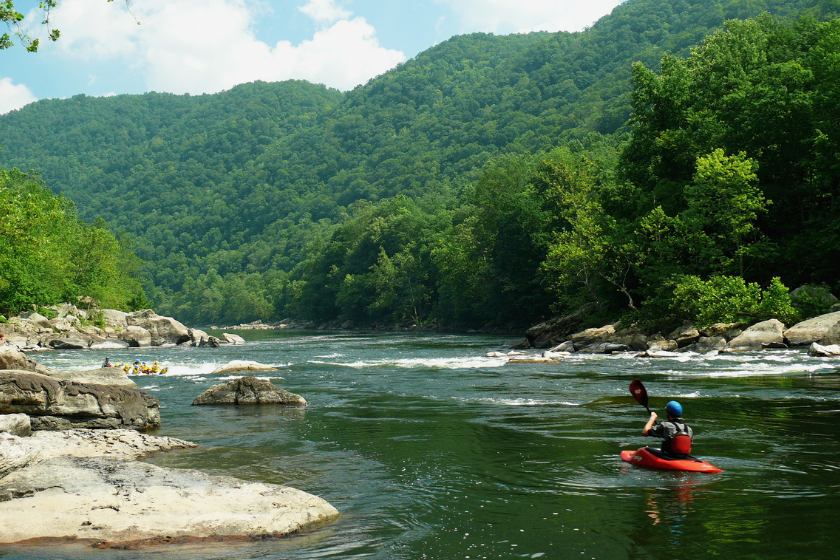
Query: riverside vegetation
pixel 675 160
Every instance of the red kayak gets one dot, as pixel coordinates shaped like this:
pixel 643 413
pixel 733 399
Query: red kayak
pixel 652 458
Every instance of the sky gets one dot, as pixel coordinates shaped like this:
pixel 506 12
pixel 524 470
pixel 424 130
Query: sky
pixel 207 46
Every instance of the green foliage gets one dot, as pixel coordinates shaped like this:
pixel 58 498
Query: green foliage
pixel 729 299
pixel 48 255
pixel 811 301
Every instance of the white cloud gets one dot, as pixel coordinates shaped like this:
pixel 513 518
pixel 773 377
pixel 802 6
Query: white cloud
pixel 509 16
pixel 324 11
pixel 184 47
pixel 13 96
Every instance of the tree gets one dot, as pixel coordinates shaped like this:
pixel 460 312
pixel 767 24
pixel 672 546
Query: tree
pixel 12 18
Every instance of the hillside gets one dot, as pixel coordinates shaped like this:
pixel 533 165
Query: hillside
pixel 241 182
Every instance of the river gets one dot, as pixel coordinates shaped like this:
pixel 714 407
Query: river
pixel 432 450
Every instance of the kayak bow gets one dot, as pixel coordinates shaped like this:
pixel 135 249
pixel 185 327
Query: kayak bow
pixel 653 459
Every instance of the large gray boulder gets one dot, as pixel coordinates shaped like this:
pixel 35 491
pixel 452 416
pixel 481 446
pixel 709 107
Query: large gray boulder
pixel 248 390
pixel 163 330
pixel 593 336
pixel 824 329
pixel 53 404
pixel 761 334
pixel 136 337
pixel 114 318
pixel 685 335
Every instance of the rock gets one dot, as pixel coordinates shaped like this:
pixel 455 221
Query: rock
pixel 819 351
pixel 659 343
pixel 604 348
pixel 15 424
pixel 248 390
pixel 163 330
pixel 685 335
pixel 765 332
pixel 242 365
pixel 553 332
pixel 706 344
pixel 126 504
pixel 136 337
pixel 114 318
pixel 592 336
pixel 53 404
pixel 75 341
pixel 567 346
pixel 655 354
pixel 38 320
pixel 100 376
pixel 348 325
pixel 233 338
pixel 213 342
pixel 197 338
pixel 824 329
pixel 12 358
pixel 726 330
pixel 556 355
pixel 65 324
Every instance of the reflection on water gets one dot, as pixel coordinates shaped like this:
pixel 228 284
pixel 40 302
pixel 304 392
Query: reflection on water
pixel 430 449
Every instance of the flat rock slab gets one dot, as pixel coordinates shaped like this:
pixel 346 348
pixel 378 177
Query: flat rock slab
pixel 123 504
pixel 100 376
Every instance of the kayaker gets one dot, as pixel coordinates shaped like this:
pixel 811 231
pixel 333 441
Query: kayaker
pixel 675 433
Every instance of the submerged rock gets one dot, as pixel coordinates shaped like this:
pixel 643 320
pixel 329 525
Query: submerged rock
pixel 248 390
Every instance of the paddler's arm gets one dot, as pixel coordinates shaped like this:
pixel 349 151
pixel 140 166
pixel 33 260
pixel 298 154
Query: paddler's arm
pixel 649 424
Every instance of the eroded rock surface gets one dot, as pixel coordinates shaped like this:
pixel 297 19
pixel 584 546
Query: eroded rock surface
pixel 248 390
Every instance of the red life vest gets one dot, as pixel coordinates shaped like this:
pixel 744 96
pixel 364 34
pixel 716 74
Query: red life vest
pixel 681 443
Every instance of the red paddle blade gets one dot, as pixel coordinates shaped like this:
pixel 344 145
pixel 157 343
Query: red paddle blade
pixel 639 392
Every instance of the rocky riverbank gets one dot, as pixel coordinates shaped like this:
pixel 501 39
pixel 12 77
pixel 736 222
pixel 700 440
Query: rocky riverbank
pixel 69 327
pixel 69 443
pixel 561 335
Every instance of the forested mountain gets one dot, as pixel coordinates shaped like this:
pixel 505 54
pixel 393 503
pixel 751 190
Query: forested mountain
pixel 262 201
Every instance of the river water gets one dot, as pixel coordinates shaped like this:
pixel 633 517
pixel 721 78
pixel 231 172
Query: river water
pixel 432 450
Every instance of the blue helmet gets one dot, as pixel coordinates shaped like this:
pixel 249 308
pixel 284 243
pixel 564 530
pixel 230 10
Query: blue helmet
pixel 674 408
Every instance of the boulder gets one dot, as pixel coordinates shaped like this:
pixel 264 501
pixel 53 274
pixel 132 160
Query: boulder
pixel 136 337
pixel 12 358
pixel 15 424
pixel 685 335
pixel 100 376
pixel 248 390
pixel 706 344
pixel 114 318
pixel 819 351
pixel 53 404
pixel 725 330
pixel 824 329
pixel 238 366
pixel 38 320
pixel 592 336
pixel 65 324
pixel 74 341
pixel 604 348
pixel 567 346
pixel 659 343
pixel 127 504
pixel 232 338
pixel 556 330
pixel 197 338
pixel 765 332
pixel 163 330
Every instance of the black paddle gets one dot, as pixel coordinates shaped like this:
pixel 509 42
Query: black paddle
pixel 639 393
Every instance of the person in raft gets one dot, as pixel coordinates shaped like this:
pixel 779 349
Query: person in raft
pixel 107 363
pixel 675 433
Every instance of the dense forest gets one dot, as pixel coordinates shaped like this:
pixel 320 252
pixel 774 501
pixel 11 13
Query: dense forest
pixel 675 159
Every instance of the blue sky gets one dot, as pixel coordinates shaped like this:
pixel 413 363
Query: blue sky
pixel 206 46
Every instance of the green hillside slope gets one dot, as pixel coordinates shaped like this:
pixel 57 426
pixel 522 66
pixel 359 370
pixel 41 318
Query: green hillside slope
pixel 241 182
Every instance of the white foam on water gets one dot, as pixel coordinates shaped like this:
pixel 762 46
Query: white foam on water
pixel 472 362
pixel 517 402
